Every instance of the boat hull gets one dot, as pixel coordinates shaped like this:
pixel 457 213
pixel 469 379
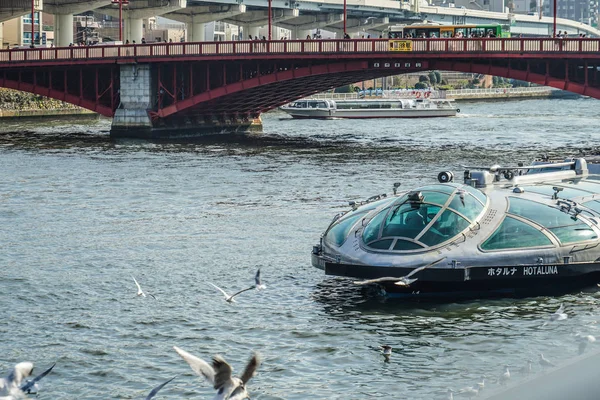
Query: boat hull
pixel 477 281
pixel 374 113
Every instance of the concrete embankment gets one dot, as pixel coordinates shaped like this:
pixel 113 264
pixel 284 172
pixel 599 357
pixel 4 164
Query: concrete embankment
pixel 503 93
pixel 16 104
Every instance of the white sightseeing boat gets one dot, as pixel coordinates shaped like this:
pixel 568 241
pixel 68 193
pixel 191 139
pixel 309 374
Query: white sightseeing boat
pixel 371 108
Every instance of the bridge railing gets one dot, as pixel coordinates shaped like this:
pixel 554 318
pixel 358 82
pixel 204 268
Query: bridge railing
pixel 483 45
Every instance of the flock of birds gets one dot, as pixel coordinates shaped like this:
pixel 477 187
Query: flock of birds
pixel 473 391
pixel 16 384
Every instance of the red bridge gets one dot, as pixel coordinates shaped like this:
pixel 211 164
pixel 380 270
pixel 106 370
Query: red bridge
pixel 155 90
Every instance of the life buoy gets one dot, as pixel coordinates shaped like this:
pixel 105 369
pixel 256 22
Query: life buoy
pixel 418 95
pixel 458 110
pixel 427 94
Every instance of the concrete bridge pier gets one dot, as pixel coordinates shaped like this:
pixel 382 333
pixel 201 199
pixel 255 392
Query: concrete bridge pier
pixel 138 95
pixel 64 29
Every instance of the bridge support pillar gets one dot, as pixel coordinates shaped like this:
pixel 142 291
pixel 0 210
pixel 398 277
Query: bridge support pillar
pixel 64 29
pixel 196 32
pixel 131 118
pixel 134 29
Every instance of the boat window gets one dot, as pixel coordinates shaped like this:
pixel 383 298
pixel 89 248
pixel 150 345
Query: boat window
pixel 406 245
pixel 448 225
pixel 515 234
pixel 546 216
pixel 435 197
pixel 574 233
pixel 383 244
pixel 300 104
pixel 408 220
pixel 594 205
pixel 466 204
pixel 478 194
pixel 587 185
pixel 567 193
pixel 371 232
pixel 445 188
pixel 337 234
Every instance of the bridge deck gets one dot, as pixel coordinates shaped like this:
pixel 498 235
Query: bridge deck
pixel 541 47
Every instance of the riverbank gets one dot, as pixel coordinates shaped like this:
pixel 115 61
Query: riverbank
pixel 17 104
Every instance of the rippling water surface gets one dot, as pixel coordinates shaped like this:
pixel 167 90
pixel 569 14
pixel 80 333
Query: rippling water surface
pixel 80 214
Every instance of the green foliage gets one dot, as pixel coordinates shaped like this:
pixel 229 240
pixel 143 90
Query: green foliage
pixel 438 77
pixel 518 83
pixel 476 81
pixel 423 78
pixel 344 89
pixel 421 85
pixel 432 78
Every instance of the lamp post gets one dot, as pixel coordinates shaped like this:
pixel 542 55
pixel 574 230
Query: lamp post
pixel 32 22
pixel 554 23
pixel 120 2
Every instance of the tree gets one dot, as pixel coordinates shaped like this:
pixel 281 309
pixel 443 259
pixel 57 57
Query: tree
pixel 423 78
pixel 438 77
pixel 421 85
pixel 344 89
pixel 495 81
pixel 432 78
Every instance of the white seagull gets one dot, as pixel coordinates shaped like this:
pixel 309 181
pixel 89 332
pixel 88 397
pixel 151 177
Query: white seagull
pixel 156 389
pixel 559 314
pixel 140 292
pixel 10 385
pixel 386 351
pixel 469 391
pixel 228 298
pixel 258 283
pixel 30 386
pixel 505 375
pixel 219 375
pixel 405 280
pixel 584 341
pixel 544 362
pixel 527 368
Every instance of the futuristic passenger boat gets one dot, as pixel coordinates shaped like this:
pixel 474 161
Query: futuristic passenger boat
pixel 371 108
pixel 515 231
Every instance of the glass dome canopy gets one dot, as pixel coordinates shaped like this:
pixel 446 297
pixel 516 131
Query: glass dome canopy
pixel 425 217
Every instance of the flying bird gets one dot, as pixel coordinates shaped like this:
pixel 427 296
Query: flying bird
pixel 32 384
pixel 228 298
pixel 559 314
pixel 156 389
pixel 10 385
pixel 258 283
pixel 219 375
pixel 402 280
pixel 140 292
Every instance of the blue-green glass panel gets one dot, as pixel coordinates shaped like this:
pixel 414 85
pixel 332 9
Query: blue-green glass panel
pixel 574 233
pixel 566 193
pixel 337 234
pixel 408 220
pixel 442 187
pixel 383 244
pixel 514 234
pixel 542 214
pixel 467 205
pixel 445 228
pixel 594 205
pixel 435 197
pixel 371 231
pixel 479 195
pixel 406 245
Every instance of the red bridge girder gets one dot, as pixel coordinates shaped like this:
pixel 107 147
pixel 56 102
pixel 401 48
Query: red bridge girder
pixel 241 80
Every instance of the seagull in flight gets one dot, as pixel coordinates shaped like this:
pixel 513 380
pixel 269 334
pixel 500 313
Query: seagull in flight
pixel 219 375
pixel 228 298
pixel 258 283
pixel 10 385
pixel 400 281
pixel 559 314
pixel 30 386
pixel 156 389
pixel 140 292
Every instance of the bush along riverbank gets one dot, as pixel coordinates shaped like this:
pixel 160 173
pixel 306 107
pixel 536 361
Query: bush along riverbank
pixel 14 103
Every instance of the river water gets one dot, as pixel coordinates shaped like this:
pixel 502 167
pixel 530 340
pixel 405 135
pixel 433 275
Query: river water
pixel 81 214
